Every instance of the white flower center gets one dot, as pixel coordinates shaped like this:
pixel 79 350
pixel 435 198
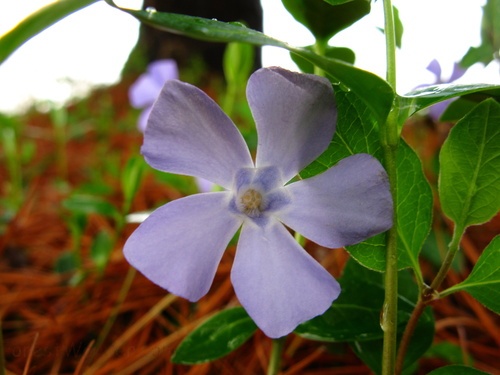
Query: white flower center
pixel 251 202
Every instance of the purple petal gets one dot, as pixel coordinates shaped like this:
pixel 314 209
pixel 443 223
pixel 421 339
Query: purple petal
pixel 295 115
pixel 187 133
pixel 435 68
pixel 278 283
pixel 458 72
pixel 142 121
pixel 143 92
pixel 342 206
pixel 179 246
pixel 163 70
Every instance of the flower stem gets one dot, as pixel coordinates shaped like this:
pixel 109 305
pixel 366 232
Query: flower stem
pixel 320 49
pixel 276 352
pixel 390 141
pixel 429 294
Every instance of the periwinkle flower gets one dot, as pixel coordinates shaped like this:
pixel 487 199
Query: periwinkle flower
pixel 278 283
pixel 436 110
pixel 144 91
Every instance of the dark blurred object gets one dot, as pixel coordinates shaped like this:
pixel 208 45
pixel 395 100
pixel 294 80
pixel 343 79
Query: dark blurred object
pixel 155 44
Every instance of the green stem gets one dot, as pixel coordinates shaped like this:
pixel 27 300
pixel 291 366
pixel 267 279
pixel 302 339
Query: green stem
pixel 390 43
pixel 428 295
pixel 275 360
pixel 450 254
pixel 390 140
pixel 390 308
pixel 320 49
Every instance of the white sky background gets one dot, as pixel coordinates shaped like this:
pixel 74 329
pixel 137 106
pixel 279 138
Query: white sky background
pixel 90 47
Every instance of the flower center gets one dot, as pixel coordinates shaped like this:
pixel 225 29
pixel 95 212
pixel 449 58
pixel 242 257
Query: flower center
pixel 251 202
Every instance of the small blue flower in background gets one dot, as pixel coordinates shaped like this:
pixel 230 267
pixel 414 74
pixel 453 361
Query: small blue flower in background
pixel 181 244
pixel 434 67
pixel 144 91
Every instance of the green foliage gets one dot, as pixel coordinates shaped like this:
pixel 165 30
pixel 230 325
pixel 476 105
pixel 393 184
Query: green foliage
pixel 323 19
pixel 238 63
pixel 469 183
pixel 357 132
pixel 424 97
pixel 490 37
pixel 457 370
pixel 37 22
pixel 339 53
pixel 218 336
pixel 100 251
pixel 355 316
pixel 483 283
pixel 131 180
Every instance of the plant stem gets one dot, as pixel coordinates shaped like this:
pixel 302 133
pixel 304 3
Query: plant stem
pixel 276 352
pixel 428 295
pixel 320 49
pixel 390 141
pixel 390 43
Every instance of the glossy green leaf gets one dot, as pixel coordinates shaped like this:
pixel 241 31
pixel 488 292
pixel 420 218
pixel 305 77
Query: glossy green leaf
pixel 37 22
pixel 371 89
pixel 450 352
pixel 457 370
pixel 414 217
pixel 339 53
pixel 357 132
pixel 325 20
pixel 483 283
pixel 421 98
pixel 355 316
pixel 218 336
pixel 469 182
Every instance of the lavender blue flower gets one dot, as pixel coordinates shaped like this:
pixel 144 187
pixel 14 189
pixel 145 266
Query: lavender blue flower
pixel 144 91
pixel 434 67
pixel 278 283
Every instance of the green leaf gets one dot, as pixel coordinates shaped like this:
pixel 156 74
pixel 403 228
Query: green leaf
pixel 131 179
pixel 457 370
pixel 398 27
pixel 448 351
pixel 469 182
pixel 357 132
pixel 376 93
pixel 88 204
pixel 490 37
pixel 483 283
pixel 37 22
pixel 339 53
pixel 421 98
pixel 325 20
pixel 67 262
pixel 414 217
pixel 355 316
pixel 238 63
pixel 101 249
pixel 218 336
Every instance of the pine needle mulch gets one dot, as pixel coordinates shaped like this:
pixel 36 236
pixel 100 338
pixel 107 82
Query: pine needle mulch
pixel 120 323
